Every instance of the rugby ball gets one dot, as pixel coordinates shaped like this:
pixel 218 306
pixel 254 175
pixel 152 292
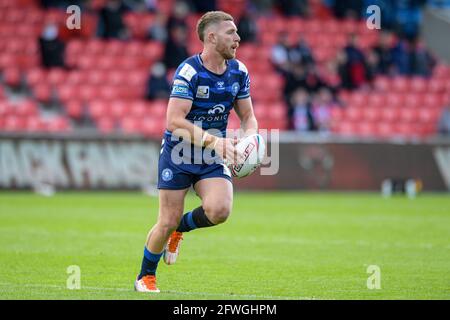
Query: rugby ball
pixel 253 148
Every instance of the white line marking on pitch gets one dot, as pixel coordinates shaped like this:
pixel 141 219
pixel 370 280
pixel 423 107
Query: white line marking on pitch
pixel 210 294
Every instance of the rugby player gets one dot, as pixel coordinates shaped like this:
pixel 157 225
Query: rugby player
pixel 205 88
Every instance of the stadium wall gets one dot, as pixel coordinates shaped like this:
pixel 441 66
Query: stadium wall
pixel 119 162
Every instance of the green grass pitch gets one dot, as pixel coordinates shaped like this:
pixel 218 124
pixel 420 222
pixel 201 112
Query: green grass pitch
pixel 284 245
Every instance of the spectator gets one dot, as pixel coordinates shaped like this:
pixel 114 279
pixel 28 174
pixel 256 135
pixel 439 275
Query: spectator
pixel 158 31
pixel 383 51
pixel 175 51
pixel 300 53
pixel 111 24
pixel 158 87
pixel 372 65
pixel 280 54
pixel 247 28
pixel 321 109
pixel 202 6
pixel 300 118
pixel 408 17
pixel 178 16
pixel 354 68
pixel 348 9
pixel 263 7
pixel 52 48
pixel 401 58
pixel 294 7
pixel 311 80
pixel 422 61
pixel 444 121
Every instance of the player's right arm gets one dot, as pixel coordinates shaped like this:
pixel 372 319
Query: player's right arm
pixel 177 110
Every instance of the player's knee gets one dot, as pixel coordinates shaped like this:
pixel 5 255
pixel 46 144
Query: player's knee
pixel 167 227
pixel 218 212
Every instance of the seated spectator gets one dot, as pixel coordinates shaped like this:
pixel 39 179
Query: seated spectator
pixel 383 51
pixel 157 30
pixel 444 121
pixel 300 53
pixel 201 6
pixel 178 16
pixel 321 109
pixel 303 77
pixel 158 87
pixel 354 65
pixel 300 117
pixel 348 9
pixel 293 7
pixel 372 65
pixel 401 58
pixel 280 54
pixel 111 23
pixel 176 51
pixel 51 47
pixel 312 81
pixel 408 17
pixel 422 61
pixel 264 7
pixel 247 28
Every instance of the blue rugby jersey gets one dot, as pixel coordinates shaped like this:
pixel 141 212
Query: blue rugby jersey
pixel 212 95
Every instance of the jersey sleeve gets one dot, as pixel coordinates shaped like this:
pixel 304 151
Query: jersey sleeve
pixel 244 91
pixel 183 82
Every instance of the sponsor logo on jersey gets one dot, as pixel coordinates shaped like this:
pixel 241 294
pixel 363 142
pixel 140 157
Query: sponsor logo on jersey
pixel 180 89
pixel 217 109
pixel 187 72
pixel 220 85
pixel 202 92
pixel 167 174
pixel 179 82
pixel 235 88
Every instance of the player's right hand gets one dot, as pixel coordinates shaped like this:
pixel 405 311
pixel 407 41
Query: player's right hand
pixel 226 149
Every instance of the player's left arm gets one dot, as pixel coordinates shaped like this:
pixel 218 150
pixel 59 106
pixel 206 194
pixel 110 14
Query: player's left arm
pixel 244 110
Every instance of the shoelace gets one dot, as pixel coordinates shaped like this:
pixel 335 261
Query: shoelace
pixel 174 240
pixel 150 282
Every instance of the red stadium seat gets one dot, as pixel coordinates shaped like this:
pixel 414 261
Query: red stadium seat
pixel 394 100
pixel 105 125
pixel 12 77
pixel 408 114
pixel 437 85
pixel 131 125
pixel 365 129
pixel 400 84
pixel 74 109
pixel 66 92
pixel 372 113
pixel 353 113
pixel 138 108
pixel 157 109
pixel 42 92
pixel 58 124
pixel 414 100
pixel 26 108
pixel 99 109
pixel 56 76
pixel 35 124
pixel 14 123
pixel 390 114
pixel 384 130
pixel 377 100
pixel 35 76
pixel 118 109
pixel 418 85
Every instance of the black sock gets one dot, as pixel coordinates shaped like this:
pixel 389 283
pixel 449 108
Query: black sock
pixel 193 220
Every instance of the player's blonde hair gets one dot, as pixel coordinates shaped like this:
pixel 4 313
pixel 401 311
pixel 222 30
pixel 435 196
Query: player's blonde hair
pixel 210 18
